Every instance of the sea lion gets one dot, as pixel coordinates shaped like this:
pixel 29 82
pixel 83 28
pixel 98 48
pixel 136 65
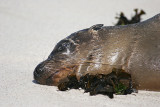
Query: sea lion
pixel 135 48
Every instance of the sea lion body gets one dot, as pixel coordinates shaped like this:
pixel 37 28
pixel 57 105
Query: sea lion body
pixel 134 48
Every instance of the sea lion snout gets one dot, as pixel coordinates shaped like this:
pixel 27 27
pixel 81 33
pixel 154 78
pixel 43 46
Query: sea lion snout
pixel 45 70
pixel 52 72
pixel 42 72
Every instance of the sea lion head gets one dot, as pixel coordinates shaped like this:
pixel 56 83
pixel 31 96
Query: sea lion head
pixel 66 57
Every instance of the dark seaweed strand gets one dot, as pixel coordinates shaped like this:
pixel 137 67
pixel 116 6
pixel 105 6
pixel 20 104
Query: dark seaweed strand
pixel 123 20
pixel 100 84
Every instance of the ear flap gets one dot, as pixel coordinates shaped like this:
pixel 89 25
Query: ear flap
pixel 96 27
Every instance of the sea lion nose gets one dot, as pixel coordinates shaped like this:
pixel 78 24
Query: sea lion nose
pixel 39 73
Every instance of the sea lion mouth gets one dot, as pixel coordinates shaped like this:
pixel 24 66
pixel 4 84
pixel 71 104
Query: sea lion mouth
pixel 60 75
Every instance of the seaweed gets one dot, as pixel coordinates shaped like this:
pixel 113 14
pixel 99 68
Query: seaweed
pixel 117 82
pixel 123 20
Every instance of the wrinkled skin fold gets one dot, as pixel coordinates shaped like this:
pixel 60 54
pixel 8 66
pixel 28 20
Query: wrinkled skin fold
pixel 134 48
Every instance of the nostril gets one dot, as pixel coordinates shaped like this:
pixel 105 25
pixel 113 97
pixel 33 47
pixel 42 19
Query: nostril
pixel 38 70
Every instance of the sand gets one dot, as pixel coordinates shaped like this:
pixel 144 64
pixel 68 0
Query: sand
pixel 29 30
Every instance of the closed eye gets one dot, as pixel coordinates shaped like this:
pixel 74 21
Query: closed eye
pixel 61 48
pixel 64 47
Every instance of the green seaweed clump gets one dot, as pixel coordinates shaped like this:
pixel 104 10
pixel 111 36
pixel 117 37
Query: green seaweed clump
pixel 120 89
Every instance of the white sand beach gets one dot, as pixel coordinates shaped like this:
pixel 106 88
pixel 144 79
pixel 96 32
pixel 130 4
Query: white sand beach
pixel 29 30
